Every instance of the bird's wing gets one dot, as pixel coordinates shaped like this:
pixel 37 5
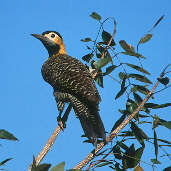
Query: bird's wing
pixel 75 78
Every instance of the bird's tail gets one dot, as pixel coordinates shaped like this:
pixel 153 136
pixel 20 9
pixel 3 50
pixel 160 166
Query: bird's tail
pixel 88 115
pixel 90 121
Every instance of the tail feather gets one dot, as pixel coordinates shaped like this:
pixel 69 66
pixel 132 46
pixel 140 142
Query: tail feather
pixel 91 122
pixel 88 115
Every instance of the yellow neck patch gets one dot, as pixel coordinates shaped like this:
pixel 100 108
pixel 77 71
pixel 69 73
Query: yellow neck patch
pixel 62 49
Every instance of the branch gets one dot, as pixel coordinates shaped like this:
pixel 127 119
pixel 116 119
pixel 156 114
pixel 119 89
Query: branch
pixel 47 147
pixel 52 139
pixel 114 133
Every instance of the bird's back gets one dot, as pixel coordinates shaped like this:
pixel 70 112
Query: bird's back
pixel 69 75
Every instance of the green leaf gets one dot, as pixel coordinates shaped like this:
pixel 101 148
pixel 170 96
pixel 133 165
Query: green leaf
pixel 42 167
pixel 139 133
pixel 117 152
pixel 122 145
pixel 34 163
pixel 87 39
pixel 126 134
pixel 154 161
pixel 163 105
pixel 156 106
pixel 164 81
pixel 6 135
pixel 96 16
pixel 145 39
pixel 138 68
pixel 150 105
pixel 101 63
pixel 99 81
pixel 167 169
pixel 88 48
pixel 131 106
pixel 158 21
pixel 164 141
pixel 133 54
pixel 167 124
pixel 125 46
pixel 143 116
pixel 139 152
pixel 109 69
pixel 128 159
pixel 123 89
pixel 122 75
pixel 120 93
pixel 141 89
pixel 124 112
pixel 118 122
pixel 137 98
pixel 59 167
pixel 140 78
pixel 155 144
pixel 98 55
pixel 4 161
pixel 106 38
pixel 87 57
pixel 123 83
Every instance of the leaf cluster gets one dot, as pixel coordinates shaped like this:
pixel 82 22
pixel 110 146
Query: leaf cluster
pixel 105 58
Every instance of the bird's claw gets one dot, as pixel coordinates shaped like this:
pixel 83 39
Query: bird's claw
pixel 61 123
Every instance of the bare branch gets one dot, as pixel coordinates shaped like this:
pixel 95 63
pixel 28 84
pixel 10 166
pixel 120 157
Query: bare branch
pixel 47 147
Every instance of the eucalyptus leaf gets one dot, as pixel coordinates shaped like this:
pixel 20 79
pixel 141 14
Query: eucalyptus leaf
pixel 118 122
pixel 126 47
pixel 155 144
pixel 133 54
pixel 7 135
pixel 87 39
pixel 4 161
pixel 140 78
pixel 164 81
pixel 96 16
pixel 106 38
pixel 87 57
pixel 109 69
pixel 145 39
pixel 120 93
pixel 138 68
pixel 128 159
pixel 59 167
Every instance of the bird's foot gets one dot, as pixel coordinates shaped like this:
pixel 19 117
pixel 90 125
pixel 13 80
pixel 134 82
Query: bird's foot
pixel 61 123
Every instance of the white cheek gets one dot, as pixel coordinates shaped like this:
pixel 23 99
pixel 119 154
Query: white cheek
pixel 51 38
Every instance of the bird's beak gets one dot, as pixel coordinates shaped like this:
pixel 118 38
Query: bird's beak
pixel 46 41
pixel 39 36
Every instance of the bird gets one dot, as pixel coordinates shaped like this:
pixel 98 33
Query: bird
pixel 72 83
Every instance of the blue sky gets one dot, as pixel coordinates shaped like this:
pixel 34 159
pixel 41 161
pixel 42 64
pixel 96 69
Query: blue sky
pixel 28 108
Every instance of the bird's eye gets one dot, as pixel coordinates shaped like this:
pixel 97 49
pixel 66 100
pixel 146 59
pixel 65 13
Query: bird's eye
pixel 52 35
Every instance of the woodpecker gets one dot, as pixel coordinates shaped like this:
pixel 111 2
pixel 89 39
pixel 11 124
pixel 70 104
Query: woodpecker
pixel 72 83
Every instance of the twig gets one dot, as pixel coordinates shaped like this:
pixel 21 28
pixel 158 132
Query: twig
pixel 47 147
pixel 52 139
pixel 94 72
pixel 113 134
pixel 92 165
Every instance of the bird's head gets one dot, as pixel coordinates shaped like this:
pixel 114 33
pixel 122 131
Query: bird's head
pixel 53 42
